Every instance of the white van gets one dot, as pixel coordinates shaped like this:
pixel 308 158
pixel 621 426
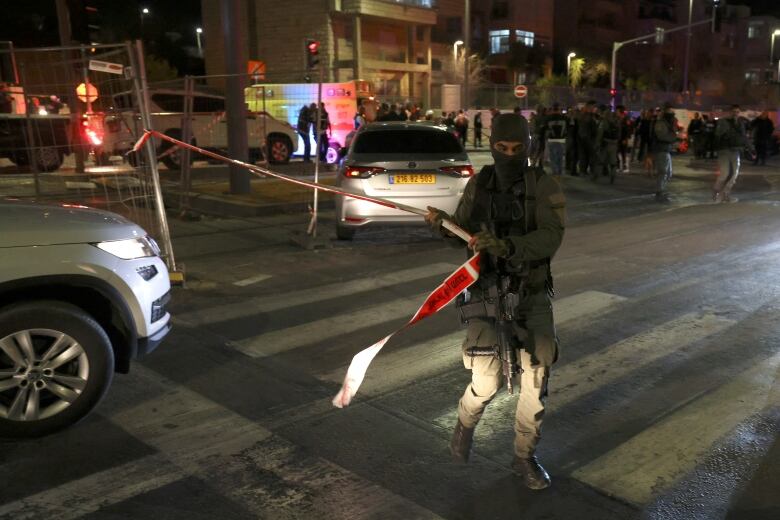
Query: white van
pixel 209 127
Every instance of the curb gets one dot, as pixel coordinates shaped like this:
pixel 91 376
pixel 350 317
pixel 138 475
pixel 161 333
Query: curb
pixel 220 206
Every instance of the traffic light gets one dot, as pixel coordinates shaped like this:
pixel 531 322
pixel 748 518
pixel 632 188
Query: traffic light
pixel 312 53
pixel 84 21
pixel 613 93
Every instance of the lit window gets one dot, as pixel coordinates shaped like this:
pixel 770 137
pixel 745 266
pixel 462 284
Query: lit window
pixel 754 30
pixel 499 41
pixel 525 37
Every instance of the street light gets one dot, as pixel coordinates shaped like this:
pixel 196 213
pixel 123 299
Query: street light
pixel 198 32
pixel 772 53
pixel 144 12
pixel 568 65
pixel 455 50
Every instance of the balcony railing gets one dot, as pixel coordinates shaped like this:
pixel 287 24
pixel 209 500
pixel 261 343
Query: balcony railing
pixel 425 4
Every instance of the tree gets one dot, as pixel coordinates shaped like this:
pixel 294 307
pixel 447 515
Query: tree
pixel 577 66
pixel 158 69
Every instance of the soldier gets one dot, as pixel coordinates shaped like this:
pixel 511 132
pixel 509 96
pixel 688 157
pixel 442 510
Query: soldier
pixel 586 137
pixel 571 140
pixel 522 214
pixel 664 135
pixel 731 137
pixel 709 137
pixel 607 135
pixel 555 129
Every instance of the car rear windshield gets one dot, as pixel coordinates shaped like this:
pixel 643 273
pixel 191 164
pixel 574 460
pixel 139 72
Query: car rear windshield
pixel 406 141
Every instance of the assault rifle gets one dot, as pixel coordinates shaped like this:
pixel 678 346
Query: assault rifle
pixel 500 302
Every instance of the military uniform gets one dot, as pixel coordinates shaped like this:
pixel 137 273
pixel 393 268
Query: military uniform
pixel 526 219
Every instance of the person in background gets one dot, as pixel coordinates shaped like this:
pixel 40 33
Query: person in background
pixel 572 115
pixel 304 130
pixel 462 126
pixel 478 130
pixel 624 133
pixel 663 137
pixel 762 128
pixel 695 129
pixel 731 136
pixel 709 137
pixel 324 131
pixel 360 117
pixel 555 128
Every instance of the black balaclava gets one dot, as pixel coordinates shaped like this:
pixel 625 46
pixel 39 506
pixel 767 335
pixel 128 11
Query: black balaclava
pixel 512 128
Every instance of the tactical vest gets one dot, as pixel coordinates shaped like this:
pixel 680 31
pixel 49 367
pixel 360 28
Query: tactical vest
pixel 505 214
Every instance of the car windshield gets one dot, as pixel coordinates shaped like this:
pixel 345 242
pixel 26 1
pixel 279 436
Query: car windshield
pixel 407 141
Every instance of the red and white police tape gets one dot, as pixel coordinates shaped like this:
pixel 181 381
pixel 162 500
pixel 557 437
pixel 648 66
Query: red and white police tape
pixel 457 282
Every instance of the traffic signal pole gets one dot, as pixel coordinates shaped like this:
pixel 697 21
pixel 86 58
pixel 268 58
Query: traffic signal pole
pixel 616 46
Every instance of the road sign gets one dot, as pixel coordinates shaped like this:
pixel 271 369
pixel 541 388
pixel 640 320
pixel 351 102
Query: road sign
pixel 521 91
pixel 87 92
pixel 105 66
pixel 256 69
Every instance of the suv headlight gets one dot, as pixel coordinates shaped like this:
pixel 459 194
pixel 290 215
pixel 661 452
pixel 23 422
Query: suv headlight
pixel 131 248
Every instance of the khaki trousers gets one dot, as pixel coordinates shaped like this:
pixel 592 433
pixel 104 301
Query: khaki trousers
pixel 487 378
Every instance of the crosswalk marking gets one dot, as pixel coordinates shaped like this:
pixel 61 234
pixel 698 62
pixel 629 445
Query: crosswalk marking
pixel 574 380
pixel 88 494
pixel 255 306
pixel 275 342
pixel 196 436
pixel 656 458
pixel 397 368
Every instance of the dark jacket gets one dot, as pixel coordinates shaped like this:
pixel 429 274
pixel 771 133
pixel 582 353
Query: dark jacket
pixel 664 135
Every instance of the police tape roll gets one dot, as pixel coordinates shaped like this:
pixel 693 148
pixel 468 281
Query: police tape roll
pixel 457 282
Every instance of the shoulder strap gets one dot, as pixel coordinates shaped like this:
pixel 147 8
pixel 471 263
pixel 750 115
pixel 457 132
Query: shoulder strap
pixel 530 198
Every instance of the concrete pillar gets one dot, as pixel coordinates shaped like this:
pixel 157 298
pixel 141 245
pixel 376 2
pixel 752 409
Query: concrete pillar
pixel 357 47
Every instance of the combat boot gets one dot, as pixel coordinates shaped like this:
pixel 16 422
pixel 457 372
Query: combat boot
pixel 460 446
pixel 531 472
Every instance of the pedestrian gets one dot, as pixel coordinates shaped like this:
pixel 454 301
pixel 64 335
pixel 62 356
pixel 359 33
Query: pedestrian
pixel 521 214
pixel 586 137
pixel 360 117
pixel 462 126
pixel 695 137
pixel 572 115
pixel 324 131
pixel 624 135
pixel 539 135
pixel 731 137
pixel 555 128
pixel 304 130
pixel 478 129
pixel 709 137
pixel 663 137
pixel 649 157
pixel 762 128
pixel 400 113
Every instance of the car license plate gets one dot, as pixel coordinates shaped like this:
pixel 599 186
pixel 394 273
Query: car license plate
pixel 413 178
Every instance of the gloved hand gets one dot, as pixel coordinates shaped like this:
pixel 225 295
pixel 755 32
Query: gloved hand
pixel 435 217
pixel 487 241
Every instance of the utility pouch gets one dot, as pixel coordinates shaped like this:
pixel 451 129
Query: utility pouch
pixel 475 309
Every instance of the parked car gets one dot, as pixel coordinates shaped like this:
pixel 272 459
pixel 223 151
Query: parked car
pixel 83 292
pixel 415 163
pixel 209 128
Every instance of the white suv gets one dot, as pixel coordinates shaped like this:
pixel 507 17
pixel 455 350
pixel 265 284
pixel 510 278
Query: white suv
pixel 82 293
pixel 209 128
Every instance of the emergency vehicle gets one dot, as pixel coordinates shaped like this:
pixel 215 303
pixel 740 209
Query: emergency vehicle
pixel 342 100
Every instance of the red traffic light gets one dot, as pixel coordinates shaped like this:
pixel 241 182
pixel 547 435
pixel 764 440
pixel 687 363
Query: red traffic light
pixel 313 46
pixel 613 92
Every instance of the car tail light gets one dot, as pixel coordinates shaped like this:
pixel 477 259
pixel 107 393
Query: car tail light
pixel 458 171
pixel 92 135
pixel 362 172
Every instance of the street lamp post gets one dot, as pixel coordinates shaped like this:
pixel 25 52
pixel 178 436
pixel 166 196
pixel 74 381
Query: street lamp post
pixel 144 13
pixel 568 66
pixel 455 51
pixel 772 53
pixel 198 32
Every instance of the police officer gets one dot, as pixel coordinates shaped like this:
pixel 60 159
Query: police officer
pixel 587 125
pixel 731 136
pixel 663 138
pixel 521 212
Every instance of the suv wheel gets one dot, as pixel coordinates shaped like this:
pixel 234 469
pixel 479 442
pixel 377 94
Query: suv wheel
pixel 280 150
pixel 56 364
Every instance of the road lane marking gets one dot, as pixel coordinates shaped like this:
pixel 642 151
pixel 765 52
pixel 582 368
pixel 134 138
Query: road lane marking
pixel 655 459
pixel 316 294
pixel 252 280
pixel 583 304
pixel 600 369
pixel 196 436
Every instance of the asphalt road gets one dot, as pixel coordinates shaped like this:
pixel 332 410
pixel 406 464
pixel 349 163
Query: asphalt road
pixel 665 402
